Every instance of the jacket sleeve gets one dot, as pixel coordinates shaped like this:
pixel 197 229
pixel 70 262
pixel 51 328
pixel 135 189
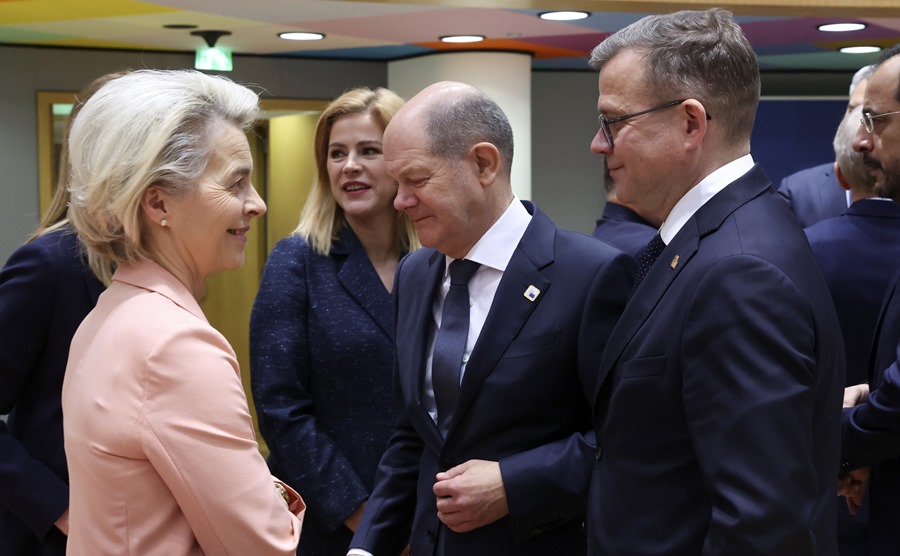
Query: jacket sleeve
pixel 281 382
pixel 197 432
pixel 28 290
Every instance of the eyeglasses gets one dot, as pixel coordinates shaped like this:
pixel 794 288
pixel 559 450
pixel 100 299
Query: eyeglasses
pixel 604 121
pixel 868 119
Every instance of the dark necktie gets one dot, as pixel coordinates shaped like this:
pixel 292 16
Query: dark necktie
pixel 450 343
pixel 646 258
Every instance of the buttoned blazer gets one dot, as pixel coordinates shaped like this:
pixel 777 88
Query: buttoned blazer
pixel 46 289
pixel 624 229
pixel 162 455
pixel 321 363
pixel 859 253
pixel 523 399
pixel 869 430
pixel 814 194
pixel 718 412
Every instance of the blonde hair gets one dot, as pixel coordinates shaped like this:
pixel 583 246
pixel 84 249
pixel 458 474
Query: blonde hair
pixel 149 127
pixel 55 216
pixel 322 218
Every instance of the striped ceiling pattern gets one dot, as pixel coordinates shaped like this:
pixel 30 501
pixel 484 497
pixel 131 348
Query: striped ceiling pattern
pixel 397 29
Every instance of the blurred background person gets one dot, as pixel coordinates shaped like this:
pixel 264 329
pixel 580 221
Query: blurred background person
pixel 815 194
pixel 619 225
pixel 321 330
pixel 160 445
pixel 46 288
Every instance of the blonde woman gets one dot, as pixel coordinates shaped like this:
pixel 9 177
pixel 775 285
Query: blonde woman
pixel 321 331
pixel 160 445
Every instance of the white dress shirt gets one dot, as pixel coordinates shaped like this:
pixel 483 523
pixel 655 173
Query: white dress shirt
pixel 493 251
pixel 698 195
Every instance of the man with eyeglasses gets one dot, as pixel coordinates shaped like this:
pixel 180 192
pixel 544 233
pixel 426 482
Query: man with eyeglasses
pixel 871 422
pixel 717 411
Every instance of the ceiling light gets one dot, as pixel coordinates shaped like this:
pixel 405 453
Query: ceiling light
pixel 179 26
pixel 298 36
pixel 564 16
pixel 462 38
pixel 841 27
pixel 860 49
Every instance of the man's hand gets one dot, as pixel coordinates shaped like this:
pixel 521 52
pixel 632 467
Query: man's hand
pixel 853 486
pixel 854 395
pixel 470 495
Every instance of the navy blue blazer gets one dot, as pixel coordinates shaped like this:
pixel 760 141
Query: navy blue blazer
pixel 523 400
pixel 814 194
pixel 870 430
pixel 859 253
pixel 718 416
pixel 624 229
pixel 321 358
pixel 46 290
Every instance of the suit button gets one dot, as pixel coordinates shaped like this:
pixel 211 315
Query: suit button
pixel 535 532
pixel 599 455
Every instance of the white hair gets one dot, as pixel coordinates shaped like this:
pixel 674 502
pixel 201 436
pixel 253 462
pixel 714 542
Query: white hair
pixel 149 127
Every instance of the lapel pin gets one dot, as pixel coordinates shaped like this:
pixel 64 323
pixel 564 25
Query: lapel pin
pixel 674 262
pixel 532 293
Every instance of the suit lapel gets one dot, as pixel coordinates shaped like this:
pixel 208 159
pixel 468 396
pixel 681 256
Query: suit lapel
pixel 359 279
pixel 674 258
pixel 415 300
pixel 510 308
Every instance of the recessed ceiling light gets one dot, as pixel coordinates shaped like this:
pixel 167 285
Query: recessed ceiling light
pixel 860 49
pixel 841 27
pixel 564 16
pixel 179 26
pixel 462 38
pixel 297 36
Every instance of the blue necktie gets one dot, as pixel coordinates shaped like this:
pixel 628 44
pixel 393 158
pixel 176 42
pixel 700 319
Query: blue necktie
pixel 646 258
pixel 450 343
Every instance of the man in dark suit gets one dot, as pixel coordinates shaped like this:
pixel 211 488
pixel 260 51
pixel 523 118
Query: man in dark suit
pixel 871 426
pixel 619 225
pixel 495 462
pixel 815 194
pixel 859 253
pixel 718 411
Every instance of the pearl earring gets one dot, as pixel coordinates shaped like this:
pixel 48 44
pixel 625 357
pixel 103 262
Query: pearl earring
pixel 163 222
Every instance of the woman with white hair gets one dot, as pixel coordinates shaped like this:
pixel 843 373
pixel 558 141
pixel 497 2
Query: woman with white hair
pixel 161 451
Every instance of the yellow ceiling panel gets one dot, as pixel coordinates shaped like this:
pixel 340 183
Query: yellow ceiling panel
pixel 17 12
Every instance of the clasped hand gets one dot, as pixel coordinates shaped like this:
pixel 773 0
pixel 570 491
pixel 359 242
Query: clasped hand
pixel 470 495
pixel 854 484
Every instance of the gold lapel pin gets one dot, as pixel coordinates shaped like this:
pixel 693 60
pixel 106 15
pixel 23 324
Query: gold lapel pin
pixel 532 293
pixel 674 262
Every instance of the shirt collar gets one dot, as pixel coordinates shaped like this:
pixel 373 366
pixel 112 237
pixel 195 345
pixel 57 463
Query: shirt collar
pixel 496 247
pixel 698 195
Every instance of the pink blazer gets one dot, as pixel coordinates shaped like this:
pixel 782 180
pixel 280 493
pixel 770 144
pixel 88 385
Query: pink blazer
pixel 161 451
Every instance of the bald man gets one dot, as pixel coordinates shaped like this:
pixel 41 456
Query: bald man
pixel 496 460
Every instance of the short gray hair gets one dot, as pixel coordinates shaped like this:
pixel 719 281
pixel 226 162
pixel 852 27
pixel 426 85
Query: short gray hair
pixel 473 117
pixel 861 75
pixel 851 162
pixel 149 127
pixel 694 54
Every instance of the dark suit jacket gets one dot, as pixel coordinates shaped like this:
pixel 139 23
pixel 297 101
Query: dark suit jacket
pixel 321 358
pixel 871 429
pixel 622 228
pixel 814 194
pixel 718 418
pixel 859 253
pixel 46 290
pixel 522 402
